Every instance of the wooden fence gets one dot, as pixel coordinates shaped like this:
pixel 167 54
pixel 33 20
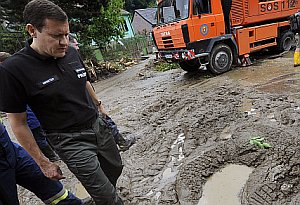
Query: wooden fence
pixel 132 48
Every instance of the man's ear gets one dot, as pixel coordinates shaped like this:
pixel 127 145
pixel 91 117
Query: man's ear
pixel 31 30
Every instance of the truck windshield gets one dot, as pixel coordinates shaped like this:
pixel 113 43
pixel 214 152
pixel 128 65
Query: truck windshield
pixel 172 10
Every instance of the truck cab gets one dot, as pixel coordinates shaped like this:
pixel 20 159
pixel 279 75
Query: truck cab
pixel 184 21
pixel 219 33
pixel 186 28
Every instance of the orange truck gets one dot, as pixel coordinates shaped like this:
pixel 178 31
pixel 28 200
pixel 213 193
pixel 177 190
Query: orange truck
pixel 220 33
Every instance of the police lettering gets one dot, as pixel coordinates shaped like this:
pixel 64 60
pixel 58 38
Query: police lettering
pixel 81 75
pixel 48 81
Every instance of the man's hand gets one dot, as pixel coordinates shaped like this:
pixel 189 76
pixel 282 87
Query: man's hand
pixel 26 139
pixel 51 170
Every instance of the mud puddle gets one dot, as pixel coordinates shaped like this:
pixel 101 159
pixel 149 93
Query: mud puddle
pixel 224 187
pixel 264 69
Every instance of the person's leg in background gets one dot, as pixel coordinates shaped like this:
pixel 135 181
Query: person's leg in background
pixel 8 188
pixel 29 175
pixel 18 167
pixel 41 140
pixel 297 51
pixel 39 135
pixel 123 144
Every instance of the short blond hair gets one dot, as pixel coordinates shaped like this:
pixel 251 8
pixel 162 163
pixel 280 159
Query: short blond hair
pixel 4 56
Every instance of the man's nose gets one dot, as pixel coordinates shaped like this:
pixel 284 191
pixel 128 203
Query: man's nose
pixel 64 40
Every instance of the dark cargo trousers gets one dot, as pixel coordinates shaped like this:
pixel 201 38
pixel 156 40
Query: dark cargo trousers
pixel 93 157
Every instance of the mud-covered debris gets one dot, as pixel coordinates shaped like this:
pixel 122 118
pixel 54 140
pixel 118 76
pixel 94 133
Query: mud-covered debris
pixel 161 65
pixel 104 69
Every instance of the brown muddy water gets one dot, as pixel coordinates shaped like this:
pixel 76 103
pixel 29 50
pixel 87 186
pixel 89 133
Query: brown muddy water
pixel 270 75
pixel 224 187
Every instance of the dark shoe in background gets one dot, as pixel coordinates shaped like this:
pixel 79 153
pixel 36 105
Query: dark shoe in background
pixel 88 201
pixel 125 143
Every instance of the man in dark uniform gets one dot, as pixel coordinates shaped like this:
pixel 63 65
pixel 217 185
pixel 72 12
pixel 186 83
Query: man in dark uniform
pixel 50 77
pixel 17 167
pixel 35 126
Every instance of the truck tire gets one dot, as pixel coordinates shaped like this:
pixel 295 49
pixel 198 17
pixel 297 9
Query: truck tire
pixel 286 41
pixel 190 66
pixel 221 59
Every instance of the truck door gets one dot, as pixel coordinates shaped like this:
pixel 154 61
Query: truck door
pixel 203 20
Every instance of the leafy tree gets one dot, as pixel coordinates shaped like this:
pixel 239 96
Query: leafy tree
pixel 152 4
pixel 131 5
pixel 11 11
pixel 91 19
pixel 102 27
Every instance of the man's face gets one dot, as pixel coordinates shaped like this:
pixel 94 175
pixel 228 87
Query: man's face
pixel 53 40
pixel 74 43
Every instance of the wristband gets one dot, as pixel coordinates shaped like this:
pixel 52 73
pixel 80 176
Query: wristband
pixel 99 103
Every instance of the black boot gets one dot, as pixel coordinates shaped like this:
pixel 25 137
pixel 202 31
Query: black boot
pixel 50 154
pixel 88 201
pixel 125 144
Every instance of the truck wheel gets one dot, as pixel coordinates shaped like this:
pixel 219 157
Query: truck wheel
pixel 286 41
pixel 221 59
pixel 191 65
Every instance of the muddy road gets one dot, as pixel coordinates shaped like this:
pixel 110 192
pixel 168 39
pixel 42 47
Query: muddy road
pixel 193 134
pixel 191 126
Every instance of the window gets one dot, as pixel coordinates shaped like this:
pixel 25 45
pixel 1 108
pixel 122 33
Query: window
pixel 172 10
pixel 201 7
pixel 124 26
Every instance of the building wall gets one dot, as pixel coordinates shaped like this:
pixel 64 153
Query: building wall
pixel 140 25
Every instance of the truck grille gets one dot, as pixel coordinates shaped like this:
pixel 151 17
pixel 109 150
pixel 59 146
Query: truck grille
pixel 168 42
pixel 236 12
pixel 246 8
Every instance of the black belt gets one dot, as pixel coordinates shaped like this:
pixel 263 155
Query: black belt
pixel 81 127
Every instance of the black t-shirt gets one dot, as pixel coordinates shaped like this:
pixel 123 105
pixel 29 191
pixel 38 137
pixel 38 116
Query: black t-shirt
pixel 55 89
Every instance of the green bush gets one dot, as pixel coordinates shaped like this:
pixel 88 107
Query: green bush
pixel 11 42
pixel 87 52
